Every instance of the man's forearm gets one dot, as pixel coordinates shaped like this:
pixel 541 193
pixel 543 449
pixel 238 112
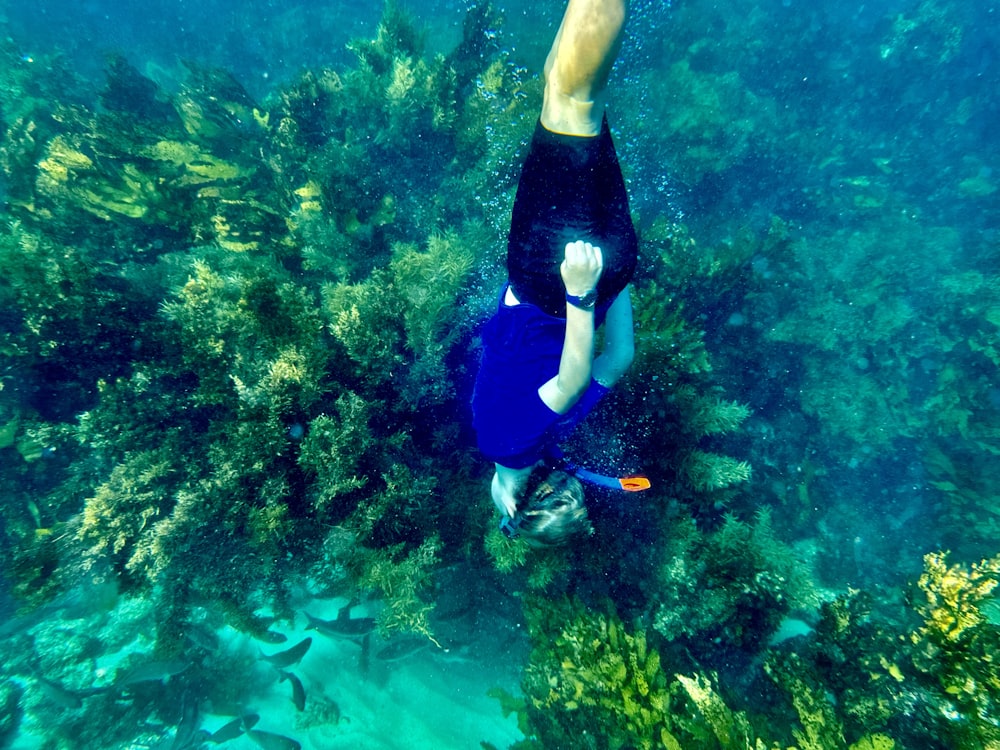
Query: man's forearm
pixel 580 272
pixel 619 340
pixel 577 358
pixel 575 363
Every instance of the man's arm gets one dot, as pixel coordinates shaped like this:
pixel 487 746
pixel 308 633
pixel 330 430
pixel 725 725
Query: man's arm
pixel 580 271
pixel 619 342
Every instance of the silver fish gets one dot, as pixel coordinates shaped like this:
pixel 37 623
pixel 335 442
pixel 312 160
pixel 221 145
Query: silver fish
pixel 342 627
pixel 290 656
pixel 152 671
pixel 59 695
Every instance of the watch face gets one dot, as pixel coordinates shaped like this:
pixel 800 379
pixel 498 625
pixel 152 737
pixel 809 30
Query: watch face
pixel 587 300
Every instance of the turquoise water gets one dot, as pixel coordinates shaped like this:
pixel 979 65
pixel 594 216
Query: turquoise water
pixel 247 249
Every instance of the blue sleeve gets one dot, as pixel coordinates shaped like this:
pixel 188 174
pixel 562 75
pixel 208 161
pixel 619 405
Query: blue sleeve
pixel 568 422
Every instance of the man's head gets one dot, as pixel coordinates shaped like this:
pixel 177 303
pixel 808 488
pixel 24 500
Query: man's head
pixel 550 508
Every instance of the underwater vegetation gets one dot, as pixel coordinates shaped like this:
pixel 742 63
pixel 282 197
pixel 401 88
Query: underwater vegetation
pixel 238 334
pixel 231 337
pixel 733 585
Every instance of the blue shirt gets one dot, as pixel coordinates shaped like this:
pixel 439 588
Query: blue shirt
pixel 522 347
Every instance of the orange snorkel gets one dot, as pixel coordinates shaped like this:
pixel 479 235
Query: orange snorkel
pixel 631 483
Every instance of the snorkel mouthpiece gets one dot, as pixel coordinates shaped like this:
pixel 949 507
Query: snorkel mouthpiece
pixel 511 527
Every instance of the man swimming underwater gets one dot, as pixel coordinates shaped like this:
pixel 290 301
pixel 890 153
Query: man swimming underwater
pixel 571 254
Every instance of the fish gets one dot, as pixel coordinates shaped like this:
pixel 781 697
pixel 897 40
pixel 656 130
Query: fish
pixel 203 637
pixel 73 605
pixel 344 626
pixel 152 671
pixel 89 599
pixel 298 692
pixel 59 695
pixel 233 729
pixel 188 733
pixel 460 654
pixel 17 625
pixel 290 656
pixel 272 741
pixel 194 741
pixel 401 648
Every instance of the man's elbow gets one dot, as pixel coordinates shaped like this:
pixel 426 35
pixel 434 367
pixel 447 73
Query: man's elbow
pixel 626 355
pixel 573 388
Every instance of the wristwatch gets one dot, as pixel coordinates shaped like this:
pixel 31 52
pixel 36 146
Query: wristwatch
pixel 585 301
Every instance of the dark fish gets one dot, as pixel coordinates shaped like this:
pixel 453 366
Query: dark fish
pixel 18 625
pixel 187 732
pixel 342 627
pixel 290 656
pixel 233 729
pixel 298 692
pixel 152 671
pixel 203 637
pixel 271 741
pixel 401 648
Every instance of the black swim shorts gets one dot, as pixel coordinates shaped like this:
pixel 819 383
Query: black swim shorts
pixel 571 189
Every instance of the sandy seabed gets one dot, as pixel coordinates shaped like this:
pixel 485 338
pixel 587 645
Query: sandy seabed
pixel 435 697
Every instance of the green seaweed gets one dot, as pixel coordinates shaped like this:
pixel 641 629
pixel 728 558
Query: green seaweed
pixel 953 647
pixel 238 335
pixel 730 586
pixel 588 669
pixel 710 122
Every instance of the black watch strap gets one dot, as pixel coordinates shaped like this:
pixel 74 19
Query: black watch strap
pixel 584 301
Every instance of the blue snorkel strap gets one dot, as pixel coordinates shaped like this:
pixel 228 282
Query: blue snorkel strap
pixel 631 483
pixel 598 480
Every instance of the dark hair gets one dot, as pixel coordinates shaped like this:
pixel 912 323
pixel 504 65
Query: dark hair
pixel 551 510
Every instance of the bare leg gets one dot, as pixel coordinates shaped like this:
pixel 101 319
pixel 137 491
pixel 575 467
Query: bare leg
pixel 578 66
